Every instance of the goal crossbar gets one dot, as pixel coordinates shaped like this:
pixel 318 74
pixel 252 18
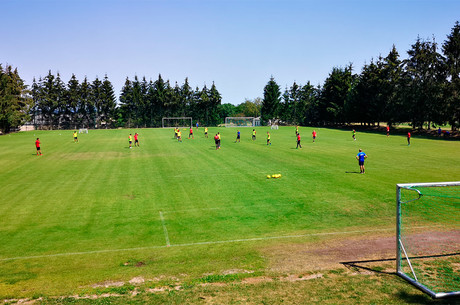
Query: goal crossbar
pixel 180 122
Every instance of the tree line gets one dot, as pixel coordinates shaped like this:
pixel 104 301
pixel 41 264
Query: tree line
pixel 423 89
pixel 142 103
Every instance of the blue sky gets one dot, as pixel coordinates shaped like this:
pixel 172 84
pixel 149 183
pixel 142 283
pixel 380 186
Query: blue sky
pixel 238 44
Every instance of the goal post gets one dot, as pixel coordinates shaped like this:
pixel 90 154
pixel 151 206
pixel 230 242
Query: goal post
pixel 241 121
pixel 428 236
pixel 176 122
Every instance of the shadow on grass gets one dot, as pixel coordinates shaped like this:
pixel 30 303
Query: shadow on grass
pixel 358 265
pixel 409 298
pixel 354 172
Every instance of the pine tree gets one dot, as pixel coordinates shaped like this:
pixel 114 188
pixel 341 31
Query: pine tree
pixel 15 101
pixel 425 78
pixel 73 101
pixel 126 104
pixel 271 101
pixel 109 103
pixel 451 50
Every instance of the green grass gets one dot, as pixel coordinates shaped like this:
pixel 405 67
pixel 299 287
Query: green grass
pixel 98 211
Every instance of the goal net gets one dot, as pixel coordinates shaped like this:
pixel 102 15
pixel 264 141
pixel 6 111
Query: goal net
pixel 240 121
pixel 177 122
pixel 428 237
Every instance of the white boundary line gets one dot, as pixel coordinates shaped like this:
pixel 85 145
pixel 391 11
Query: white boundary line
pixel 205 243
pixel 165 230
pixel 193 244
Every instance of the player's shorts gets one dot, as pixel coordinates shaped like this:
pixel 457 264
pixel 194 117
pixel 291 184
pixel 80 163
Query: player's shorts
pixel 361 163
pixel 136 141
pixel 130 142
pixel 238 136
pixel 74 138
pixel 314 137
pixel 38 147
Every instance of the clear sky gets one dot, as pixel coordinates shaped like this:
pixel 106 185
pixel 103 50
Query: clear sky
pixel 238 44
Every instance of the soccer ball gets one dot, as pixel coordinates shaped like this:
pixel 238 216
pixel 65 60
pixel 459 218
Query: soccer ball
pixel 268 177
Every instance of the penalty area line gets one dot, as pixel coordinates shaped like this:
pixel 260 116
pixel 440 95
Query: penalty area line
pixel 165 230
pixel 203 243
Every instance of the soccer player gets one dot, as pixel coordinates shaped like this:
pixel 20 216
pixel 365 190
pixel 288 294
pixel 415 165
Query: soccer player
pixel 197 124
pixel 268 139
pixel 298 141
pixel 354 134
pixel 218 137
pixel 216 141
pixel 206 132
pixel 191 133
pixel 253 134
pixel 360 157
pixel 408 138
pixel 130 138
pixel 179 135
pixel 296 130
pixel 388 131
pixel 238 136
pixel 75 137
pixel 37 145
pixel 136 140
pixel 175 132
pixel 314 135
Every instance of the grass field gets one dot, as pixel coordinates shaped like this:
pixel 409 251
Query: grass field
pixel 97 212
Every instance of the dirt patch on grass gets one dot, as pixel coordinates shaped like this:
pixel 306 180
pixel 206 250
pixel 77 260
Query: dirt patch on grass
pixel 327 255
pixel 108 284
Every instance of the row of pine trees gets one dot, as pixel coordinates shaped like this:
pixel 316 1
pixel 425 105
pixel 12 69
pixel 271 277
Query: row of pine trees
pixel 423 89
pixel 57 105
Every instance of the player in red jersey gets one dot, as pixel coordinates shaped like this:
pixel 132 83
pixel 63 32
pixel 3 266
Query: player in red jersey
pixel 37 145
pixel 298 141
pixel 136 140
pixel 314 135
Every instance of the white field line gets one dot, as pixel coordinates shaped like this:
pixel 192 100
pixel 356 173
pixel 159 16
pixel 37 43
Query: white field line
pixel 165 230
pixel 206 243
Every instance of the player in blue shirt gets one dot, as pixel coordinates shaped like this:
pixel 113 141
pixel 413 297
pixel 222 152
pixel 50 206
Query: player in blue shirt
pixel 238 137
pixel 360 157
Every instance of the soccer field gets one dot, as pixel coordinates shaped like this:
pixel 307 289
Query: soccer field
pixel 97 211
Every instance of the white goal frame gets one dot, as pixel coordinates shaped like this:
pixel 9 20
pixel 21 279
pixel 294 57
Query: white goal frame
pixel 401 253
pixel 185 118
pixel 252 120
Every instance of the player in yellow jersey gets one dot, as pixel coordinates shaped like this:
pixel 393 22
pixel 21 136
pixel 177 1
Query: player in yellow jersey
pixel 268 138
pixel 179 135
pixel 253 134
pixel 206 132
pixel 130 138
pixel 75 137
